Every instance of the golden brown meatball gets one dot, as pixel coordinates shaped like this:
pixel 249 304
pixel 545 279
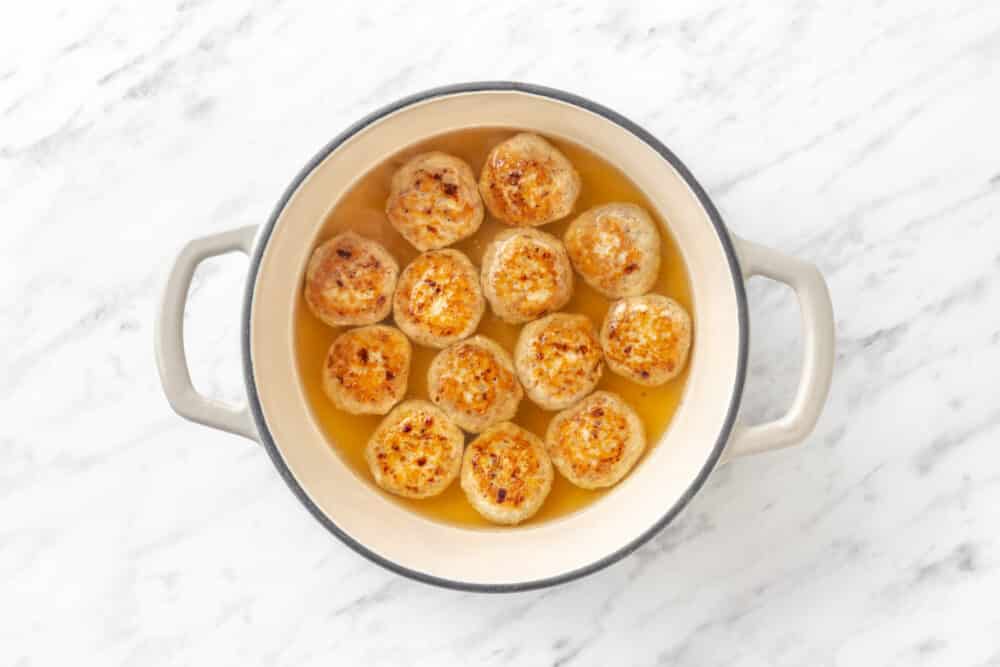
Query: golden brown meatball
pixel 526 274
pixel 558 359
pixel 506 474
pixel 596 442
pixel 474 382
pixel 616 248
pixel 434 201
pixel 527 182
pixel 416 452
pixel 646 338
pixel 349 281
pixel 367 369
pixel 438 299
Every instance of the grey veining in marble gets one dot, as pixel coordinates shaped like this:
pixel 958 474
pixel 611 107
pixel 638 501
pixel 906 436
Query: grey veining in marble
pixel 863 136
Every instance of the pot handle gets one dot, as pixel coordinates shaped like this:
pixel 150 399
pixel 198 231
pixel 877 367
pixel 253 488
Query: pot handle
pixel 170 356
pixel 817 361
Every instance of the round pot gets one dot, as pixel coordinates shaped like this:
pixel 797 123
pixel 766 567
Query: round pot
pixel 704 431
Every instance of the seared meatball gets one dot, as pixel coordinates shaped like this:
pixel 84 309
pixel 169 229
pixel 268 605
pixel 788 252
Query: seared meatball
pixel 438 300
pixel 647 338
pixel 367 369
pixel 527 182
pixel 474 382
pixel 558 359
pixel 416 452
pixel 506 474
pixel 434 201
pixel 349 281
pixel 616 248
pixel 596 442
pixel 526 274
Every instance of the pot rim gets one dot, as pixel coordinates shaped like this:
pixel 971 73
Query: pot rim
pixel 253 399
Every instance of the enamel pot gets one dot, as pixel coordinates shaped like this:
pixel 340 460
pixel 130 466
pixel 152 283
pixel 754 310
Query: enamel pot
pixel 705 431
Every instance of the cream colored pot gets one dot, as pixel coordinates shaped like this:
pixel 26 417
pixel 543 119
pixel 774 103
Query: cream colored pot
pixel 705 430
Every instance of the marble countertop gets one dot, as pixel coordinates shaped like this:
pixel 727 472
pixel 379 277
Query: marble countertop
pixel 860 136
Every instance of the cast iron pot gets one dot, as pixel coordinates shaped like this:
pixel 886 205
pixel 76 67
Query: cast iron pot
pixel 705 430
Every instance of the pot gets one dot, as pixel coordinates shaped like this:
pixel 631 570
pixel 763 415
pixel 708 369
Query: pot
pixel 705 430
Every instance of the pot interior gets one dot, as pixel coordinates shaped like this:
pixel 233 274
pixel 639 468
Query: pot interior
pixel 531 553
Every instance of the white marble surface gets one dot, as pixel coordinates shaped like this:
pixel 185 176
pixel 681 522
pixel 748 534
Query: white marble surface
pixel 861 136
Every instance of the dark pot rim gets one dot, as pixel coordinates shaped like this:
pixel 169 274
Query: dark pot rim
pixel 253 399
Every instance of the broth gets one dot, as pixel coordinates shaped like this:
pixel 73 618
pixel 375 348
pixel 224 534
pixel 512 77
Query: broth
pixel 362 210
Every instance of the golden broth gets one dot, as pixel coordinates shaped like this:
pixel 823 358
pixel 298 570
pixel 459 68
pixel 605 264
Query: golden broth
pixel 362 210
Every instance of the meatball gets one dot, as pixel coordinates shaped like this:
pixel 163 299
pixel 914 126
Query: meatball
pixel 526 274
pixel 367 369
pixel 349 281
pixel 527 182
pixel 438 300
pixel 616 248
pixel 646 338
pixel 596 442
pixel 416 452
pixel 558 359
pixel 434 202
pixel 506 474
pixel 474 382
